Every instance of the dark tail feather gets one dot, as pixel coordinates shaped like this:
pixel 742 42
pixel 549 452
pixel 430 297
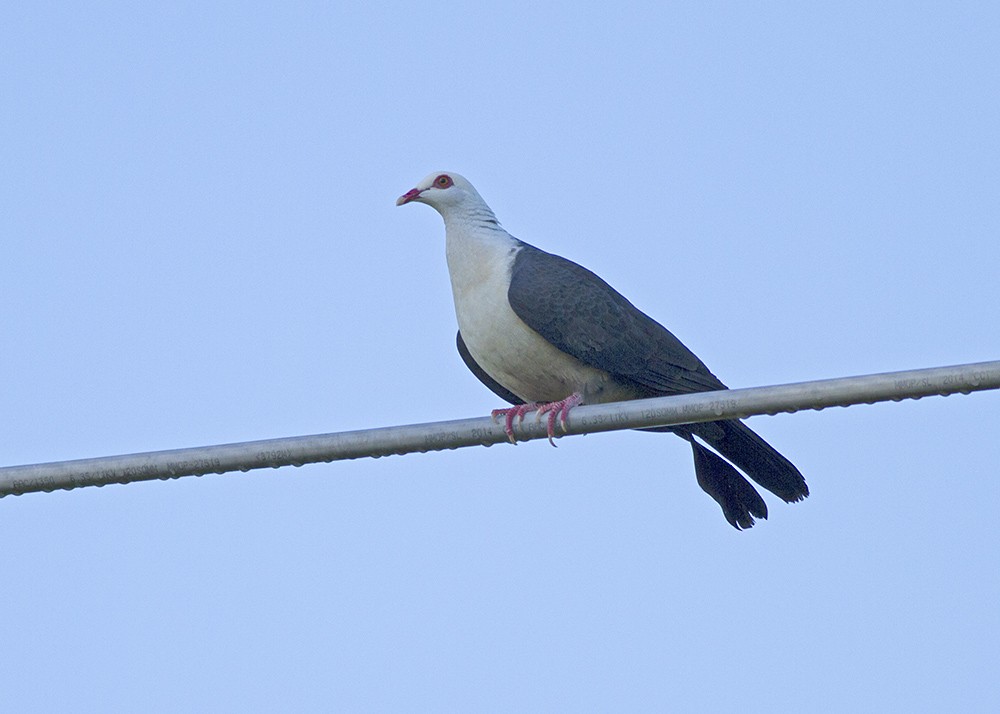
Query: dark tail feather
pixel 754 456
pixel 739 500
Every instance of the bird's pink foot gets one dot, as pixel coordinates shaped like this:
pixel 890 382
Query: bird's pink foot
pixel 558 410
pixel 510 414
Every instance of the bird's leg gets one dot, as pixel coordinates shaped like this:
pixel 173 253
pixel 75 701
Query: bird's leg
pixel 558 410
pixel 510 414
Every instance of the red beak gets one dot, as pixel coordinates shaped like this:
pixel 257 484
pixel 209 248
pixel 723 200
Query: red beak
pixel 408 196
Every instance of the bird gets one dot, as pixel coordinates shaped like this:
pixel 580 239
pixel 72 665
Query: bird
pixel 546 334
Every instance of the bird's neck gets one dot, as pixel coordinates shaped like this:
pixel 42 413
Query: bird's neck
pixel 472 218
pixel 478 250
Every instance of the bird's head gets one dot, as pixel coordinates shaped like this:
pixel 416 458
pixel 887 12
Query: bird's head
pixel 442 190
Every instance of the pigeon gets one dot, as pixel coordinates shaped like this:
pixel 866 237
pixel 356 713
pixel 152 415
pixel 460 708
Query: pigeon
pixel 545 335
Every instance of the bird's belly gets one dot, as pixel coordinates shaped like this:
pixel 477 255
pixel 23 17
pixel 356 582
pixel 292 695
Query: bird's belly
pixel 522 360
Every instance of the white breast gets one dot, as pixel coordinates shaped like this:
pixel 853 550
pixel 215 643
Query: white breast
pixel 512 353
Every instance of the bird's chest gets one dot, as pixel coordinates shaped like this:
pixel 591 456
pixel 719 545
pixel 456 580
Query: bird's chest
pixel 501 343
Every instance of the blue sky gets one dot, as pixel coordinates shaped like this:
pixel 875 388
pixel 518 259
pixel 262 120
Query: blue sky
pixel 200 246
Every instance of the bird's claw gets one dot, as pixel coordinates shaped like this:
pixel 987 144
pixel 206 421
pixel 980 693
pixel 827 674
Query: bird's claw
pixel 510 414
pixel 557 411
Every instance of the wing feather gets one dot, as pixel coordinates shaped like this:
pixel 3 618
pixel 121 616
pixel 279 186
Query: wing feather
pixel 582 315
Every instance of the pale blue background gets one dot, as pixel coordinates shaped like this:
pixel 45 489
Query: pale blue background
pixel 200 246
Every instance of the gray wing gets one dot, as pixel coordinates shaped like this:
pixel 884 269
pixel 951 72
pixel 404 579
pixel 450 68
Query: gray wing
pixel 585 317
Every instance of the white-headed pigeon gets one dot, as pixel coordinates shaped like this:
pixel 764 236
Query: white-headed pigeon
pixel 546 334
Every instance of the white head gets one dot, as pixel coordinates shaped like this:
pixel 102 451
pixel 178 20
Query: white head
pixel 444 191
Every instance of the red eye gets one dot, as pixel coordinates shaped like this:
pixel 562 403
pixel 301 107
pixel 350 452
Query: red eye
pixel 443 181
